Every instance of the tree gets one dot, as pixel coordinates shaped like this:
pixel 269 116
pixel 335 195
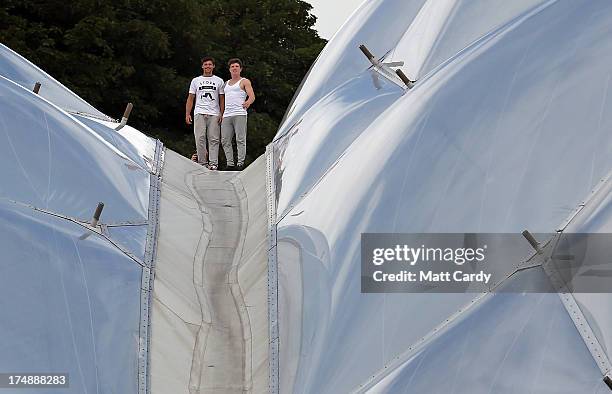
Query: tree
pixel 147 52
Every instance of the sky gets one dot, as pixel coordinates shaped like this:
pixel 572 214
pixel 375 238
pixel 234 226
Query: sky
pixel 331 14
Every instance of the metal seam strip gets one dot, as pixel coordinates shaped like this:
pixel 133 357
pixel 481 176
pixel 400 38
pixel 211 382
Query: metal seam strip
pixel 70 218
pixel 272 275
pixel 579 320
pixel 127 224
pixel 596 190
pixel 102 233
pixel 568 300
pixel 148 273
pixel 105 118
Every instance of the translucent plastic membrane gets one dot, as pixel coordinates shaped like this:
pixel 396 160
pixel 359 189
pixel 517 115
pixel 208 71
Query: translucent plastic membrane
pixel 375 24
pixel 512 343
pixel 509 135
pixel 53 162
pixel 442 28
pixel 133 238
pixel 21 71
pixel 129 141
pixel 70 303
pixel 304 154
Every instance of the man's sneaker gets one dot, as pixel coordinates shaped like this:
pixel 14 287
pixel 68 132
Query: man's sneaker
pixel 212 167
pixel 230 167
pixel 239 167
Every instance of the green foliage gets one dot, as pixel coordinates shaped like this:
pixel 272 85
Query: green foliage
pixel 147 52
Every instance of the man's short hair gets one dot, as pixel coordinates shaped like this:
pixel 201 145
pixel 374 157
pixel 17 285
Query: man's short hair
pixel 208 59
pixel 234 60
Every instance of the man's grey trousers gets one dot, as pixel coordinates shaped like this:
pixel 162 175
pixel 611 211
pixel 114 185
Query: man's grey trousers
pixel 234 124
pixel 207 126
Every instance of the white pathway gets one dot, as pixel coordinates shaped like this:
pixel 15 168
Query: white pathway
pixel 205 337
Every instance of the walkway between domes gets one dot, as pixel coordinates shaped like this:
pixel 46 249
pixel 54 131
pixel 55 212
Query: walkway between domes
pixel 209 307
pixel 220 359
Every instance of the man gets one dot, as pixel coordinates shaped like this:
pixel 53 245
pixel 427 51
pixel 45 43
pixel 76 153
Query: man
pixel 207 90
pixel 237 89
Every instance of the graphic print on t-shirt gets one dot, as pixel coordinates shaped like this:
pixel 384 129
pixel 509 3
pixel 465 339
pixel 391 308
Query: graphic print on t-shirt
pixel 207 87
pixel 206 91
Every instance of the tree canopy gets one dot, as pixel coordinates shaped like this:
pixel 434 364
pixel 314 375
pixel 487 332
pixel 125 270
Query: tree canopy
pixel 147 51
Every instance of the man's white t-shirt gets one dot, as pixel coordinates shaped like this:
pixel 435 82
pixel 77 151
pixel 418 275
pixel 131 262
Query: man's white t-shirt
pixel 206 91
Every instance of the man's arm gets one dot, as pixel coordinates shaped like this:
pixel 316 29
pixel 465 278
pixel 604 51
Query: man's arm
pixel 189 107
pixel 248 88
pixel 221 107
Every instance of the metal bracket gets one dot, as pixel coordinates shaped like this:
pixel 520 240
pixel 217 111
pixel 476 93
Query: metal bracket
pixel 385 68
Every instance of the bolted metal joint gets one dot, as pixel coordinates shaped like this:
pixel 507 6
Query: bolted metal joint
pixel 532 241
pixel 126 116
pixel 409 83
pixel 366 52
pixel 96 215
